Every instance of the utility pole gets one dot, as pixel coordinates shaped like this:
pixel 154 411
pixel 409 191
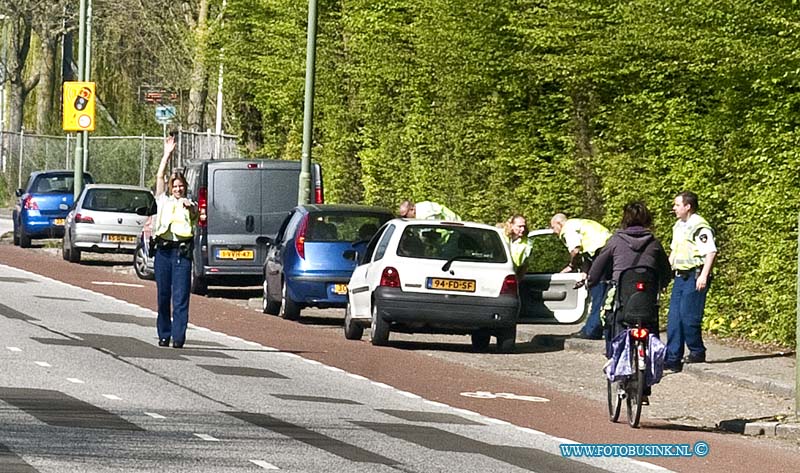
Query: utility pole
pixel 78 162
pixel 308 107
pixel 218 116
pixel 86 77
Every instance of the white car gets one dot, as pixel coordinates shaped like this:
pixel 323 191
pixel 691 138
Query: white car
pixel 436 277
pixel 104 219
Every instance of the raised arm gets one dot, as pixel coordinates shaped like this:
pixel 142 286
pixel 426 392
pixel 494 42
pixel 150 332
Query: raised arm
pixel 169 147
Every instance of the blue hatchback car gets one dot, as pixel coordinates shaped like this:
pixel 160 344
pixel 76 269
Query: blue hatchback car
pixel 43 205
pixel 305 265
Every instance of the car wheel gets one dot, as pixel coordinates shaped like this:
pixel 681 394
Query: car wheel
pixel 379 328
pixel 199 285
pixel 16 234
pixel 140 264
pixel 352 330
pixel 268 306
pixel 506 340
pixel 24 240
pixel 289 310
pixel 480 340
pixel 64 249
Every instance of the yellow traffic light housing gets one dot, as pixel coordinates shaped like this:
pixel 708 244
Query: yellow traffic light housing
pixel 79 106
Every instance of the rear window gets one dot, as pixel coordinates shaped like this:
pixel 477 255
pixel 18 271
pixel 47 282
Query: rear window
pixel 56 183
pixel 445 242
pixel 116 200
pixel 344 226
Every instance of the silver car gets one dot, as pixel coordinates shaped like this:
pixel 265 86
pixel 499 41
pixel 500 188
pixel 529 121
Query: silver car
pixel 104 220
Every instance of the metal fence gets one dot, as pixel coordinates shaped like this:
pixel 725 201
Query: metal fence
pixel 111 159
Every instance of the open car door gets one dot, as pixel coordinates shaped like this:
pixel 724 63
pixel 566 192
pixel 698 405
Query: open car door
pixel 548 296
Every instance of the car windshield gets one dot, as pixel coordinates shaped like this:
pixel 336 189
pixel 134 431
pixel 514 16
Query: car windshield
pixel 344 226
pixel 446 242
pixel 116 200
pixel 54 184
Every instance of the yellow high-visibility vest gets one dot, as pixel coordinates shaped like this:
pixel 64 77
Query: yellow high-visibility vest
pixel 173 218
pixel 685 254
pixel 593 235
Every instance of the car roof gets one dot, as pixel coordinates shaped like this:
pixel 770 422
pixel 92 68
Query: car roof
pixel 343 208
pixel 54 172
pixel 405 222
pixel 116 186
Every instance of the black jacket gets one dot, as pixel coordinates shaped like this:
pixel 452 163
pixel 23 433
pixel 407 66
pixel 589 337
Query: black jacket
pixel 633 246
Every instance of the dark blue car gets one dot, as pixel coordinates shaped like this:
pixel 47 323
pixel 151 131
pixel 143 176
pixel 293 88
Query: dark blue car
pixel 43 205
pixel 305 266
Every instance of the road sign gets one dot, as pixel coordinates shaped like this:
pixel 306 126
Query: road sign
pixel 165 114
pixel 78 104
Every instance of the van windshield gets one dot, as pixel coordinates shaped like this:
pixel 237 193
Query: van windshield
pixel 344 226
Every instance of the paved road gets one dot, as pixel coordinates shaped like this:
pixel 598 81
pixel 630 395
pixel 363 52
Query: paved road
pixel 441 371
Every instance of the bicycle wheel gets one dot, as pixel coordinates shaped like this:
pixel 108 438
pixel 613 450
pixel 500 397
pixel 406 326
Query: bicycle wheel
pixel 614 401
pixel 634 391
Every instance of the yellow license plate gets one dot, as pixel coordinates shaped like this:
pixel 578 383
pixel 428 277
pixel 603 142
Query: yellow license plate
pixel 463 285
pixel 58 221
pixel 340 289
pixel 120 238
pixel 233 254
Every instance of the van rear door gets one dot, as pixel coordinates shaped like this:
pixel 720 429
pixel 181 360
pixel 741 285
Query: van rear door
pixel 279 184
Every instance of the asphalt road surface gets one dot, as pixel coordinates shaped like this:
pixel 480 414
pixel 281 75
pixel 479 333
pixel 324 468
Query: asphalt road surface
pixel 84 387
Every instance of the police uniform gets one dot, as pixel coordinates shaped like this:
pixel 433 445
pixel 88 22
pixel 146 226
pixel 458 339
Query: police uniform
pixel 588 236
pixel 173 229
pixel 520 251
pixel 692 240
pixel 433 211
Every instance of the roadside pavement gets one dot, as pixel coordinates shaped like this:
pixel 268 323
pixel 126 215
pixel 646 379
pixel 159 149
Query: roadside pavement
pixel 768 372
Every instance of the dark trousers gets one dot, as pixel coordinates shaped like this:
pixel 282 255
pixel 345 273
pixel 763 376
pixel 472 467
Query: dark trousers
pixel 173 278
pixel 685 319
pixel 594 326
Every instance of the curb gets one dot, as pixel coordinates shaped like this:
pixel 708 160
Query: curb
pixel 761 428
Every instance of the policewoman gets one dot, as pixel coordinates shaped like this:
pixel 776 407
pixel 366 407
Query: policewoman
pixel 584 239
pixel 173 229
pixel 517 237
pixel 693 251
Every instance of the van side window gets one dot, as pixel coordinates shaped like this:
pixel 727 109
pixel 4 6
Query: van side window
pixel 384 242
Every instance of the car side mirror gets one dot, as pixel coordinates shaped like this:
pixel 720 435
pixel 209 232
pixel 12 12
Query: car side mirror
pixel 19 192
pixel 352 255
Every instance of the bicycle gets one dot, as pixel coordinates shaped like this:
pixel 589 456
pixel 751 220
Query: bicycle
pixel 635 308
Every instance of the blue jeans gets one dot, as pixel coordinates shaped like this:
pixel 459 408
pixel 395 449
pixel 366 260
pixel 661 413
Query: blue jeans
pixel 685 319
pixel 173 278
pixel 594 327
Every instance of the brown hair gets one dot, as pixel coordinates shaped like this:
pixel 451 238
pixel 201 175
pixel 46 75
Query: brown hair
pixel 635 214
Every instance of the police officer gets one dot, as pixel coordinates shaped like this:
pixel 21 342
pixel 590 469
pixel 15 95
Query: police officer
pixel 426 210
pixel 517 236
pixel 173 229
pixel 692 256
pixel 584 238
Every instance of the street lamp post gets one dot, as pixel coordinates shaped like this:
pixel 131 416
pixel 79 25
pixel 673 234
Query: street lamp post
pixel 304 187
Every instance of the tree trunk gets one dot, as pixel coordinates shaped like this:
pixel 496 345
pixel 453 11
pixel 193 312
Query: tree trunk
pixel 46 88
pixel 198 87
pixel 585 159
pixel 18 47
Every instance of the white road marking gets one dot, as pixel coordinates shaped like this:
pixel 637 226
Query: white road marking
pixel 76 380
pixel 207 437
pixel 492 420
pixel 43 364
pixel 14 349
pixel 650 466
pixel 112 397
pixel 356 376
pixel 264 465
pixel 517 397
pixel 154 415
pixel 381 385
pixel 111 283
pixel 334 369
pixel 311 362
pixel 408 394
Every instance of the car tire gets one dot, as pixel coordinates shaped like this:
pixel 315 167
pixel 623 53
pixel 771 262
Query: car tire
pixel 352 330
pixel 64 249
pixel 73 255
pixel 268 306
pixel 199 285
pixel 379 328
pixel 480 340
pixel 140 264
pixel 506 340
pixel 16 234
pixel 289 309
pixel 24 240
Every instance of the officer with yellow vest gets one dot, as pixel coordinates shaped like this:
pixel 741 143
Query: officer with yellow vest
pixel 584 238
pixel 173 229
pixel 517 237
pixel 693 251
pixel 426 210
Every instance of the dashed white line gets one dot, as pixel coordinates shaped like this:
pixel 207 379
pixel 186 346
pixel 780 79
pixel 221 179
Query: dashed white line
pixel 76 380
pixel 111 283
pixel 112 397
pixel 154 415
pixel 14 348
pixel 264 465
pixel 207 437
pixel 43 364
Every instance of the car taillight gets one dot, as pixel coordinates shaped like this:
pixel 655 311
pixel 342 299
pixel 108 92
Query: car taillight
pixel 30 204
pixel 390 277
pixel 202 207
pixel 83 219
pixel 639 333
pixel 509 285
pixel 300 239
pixel 319 198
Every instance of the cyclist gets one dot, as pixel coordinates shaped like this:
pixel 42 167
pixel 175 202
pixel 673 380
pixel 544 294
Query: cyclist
pixel 633 245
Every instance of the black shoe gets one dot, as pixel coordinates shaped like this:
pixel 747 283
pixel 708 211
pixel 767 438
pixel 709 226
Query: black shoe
pixel 163 342
pixel 177 344
pixel 695 358
pixel 645 400
pixel 674 368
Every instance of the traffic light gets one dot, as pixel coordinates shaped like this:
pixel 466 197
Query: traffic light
pixel 78 105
